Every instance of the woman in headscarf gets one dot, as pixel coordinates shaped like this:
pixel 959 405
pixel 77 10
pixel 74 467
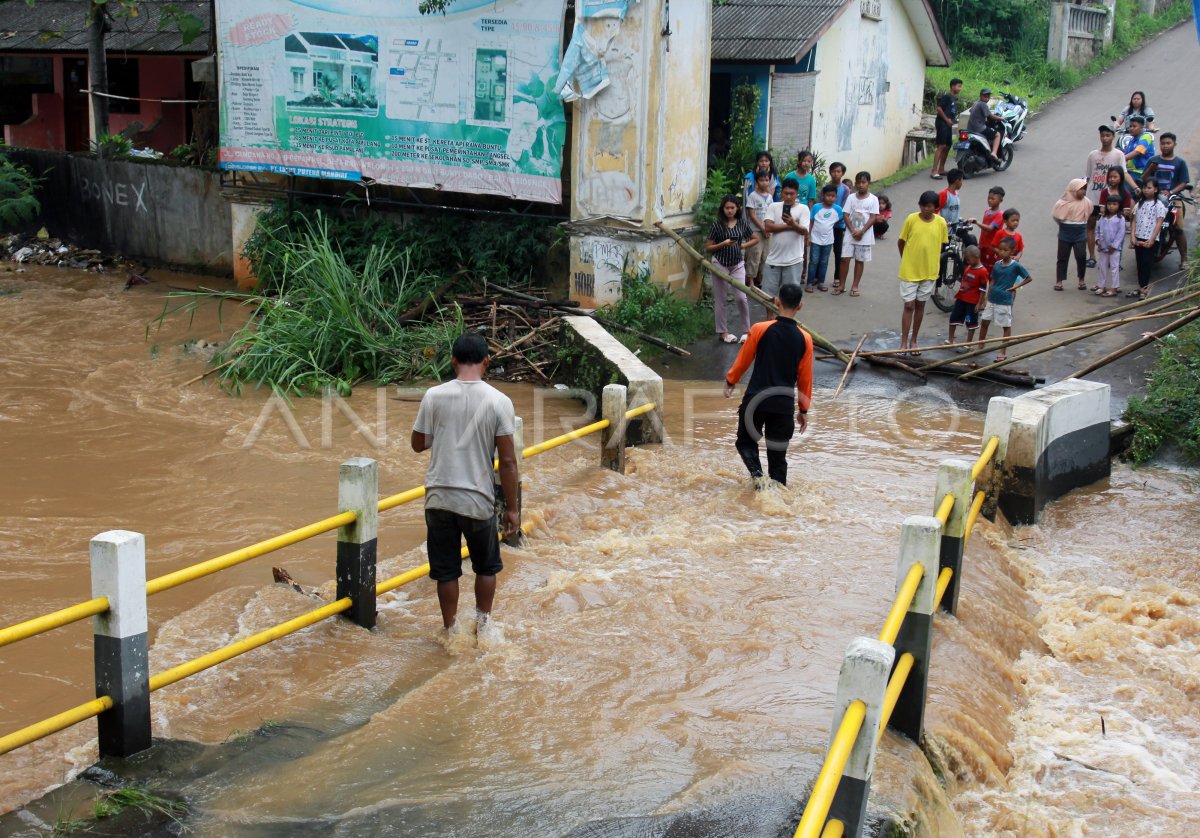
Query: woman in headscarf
pixel 1072 213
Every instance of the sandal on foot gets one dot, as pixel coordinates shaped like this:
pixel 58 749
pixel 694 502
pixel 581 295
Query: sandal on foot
pixel 915 353
pixel 728 338
pixel 836 291
pixel 822 287
pixel 1131 294
pixel 854 292
pixel 1001 357
pixel 1058 286
pixel 742 339
pixel 1099 292
pixel 1082 286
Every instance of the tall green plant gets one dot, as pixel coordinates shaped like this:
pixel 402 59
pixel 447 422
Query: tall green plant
pixel 743 142
pixel 18 202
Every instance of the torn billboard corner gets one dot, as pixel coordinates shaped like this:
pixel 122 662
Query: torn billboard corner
pixel 342 90
pixel 584 72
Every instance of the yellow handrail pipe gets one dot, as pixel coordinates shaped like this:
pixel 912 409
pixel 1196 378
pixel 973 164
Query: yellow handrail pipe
pixel 54 724
pixel 53 620
pixel 895 686
pixel 404 497
pixel 942 584
pixel 972 515
pixel 197 571
pixel 833 829
pixel 904 598
pixel 813 819
pixel 989 451
pixel 943 511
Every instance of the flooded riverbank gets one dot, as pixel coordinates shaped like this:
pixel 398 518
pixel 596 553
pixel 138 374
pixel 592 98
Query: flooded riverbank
pixel 670 639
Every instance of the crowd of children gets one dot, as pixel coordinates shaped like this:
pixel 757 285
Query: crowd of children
pixel 793 231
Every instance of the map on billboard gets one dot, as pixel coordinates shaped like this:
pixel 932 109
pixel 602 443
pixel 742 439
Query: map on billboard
pixel 352 89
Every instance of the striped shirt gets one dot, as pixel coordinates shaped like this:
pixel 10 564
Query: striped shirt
pixel 730 256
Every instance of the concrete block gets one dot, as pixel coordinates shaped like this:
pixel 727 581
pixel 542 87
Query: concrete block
pixel 864 675
pixel 616 364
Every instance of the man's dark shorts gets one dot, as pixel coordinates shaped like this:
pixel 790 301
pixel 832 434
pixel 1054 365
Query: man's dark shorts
pixel 943 135
pixel 445 533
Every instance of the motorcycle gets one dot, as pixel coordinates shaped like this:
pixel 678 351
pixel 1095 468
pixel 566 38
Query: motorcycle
pixel 974 153
pixel 1123 132
pixel 1013 110
pixel 1168 234
pixel 952 264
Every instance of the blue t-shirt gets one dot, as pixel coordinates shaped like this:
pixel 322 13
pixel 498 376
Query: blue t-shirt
pixel 1169 173
pixel 808 187
pixel 1004 277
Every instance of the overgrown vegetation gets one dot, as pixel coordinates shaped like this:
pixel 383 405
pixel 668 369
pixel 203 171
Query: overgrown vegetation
pixel 1168 415
pixel 112 146
pixel 651 308
pixel 147 802
pixel 18 194
pixel 1018 64
pixel 507 251
pixel 332 318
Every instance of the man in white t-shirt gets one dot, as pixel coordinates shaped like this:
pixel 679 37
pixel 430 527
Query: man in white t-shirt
pixel 1099 161
pixel 463 421
pixel 787 222
pixel 860 211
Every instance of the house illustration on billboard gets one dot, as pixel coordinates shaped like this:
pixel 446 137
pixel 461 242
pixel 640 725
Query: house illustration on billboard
pixel 328 70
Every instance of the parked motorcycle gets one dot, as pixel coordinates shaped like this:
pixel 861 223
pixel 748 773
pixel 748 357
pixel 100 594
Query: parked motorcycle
pixel 952 264
pixel 1168 234
pixel 1014 110
pixel 974 153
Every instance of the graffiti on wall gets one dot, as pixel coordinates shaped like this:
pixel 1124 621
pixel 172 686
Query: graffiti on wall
pixel 116 193
pixel 866 85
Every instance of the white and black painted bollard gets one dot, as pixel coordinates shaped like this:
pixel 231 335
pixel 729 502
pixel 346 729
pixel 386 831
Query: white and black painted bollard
pixel 863 678
pixel 120 643
pixel 357 543
pixel 953 477
pixel 613 404
pixel 919 544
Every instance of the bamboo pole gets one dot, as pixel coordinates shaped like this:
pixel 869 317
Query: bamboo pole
pixel 1137 344
pixel 849 366
pixel 1074 338
pixel 750 290
pixel 1012 341
pixel 207 373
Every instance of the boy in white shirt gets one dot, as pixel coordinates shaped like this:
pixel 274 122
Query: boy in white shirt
pixel 757 204
pixel 787 222
pixel 860 211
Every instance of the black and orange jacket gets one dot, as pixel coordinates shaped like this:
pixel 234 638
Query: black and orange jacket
pixel 782 354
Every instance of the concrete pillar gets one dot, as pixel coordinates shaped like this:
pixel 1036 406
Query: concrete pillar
pixel 864 676
pixel 1058 440
pixel 612 439
pixel 953 477
pixel 919 540
pixel 997 424
pixel 639 144
pixel 1110 7
pixel 647 428
pixel 120 644
pixel 1058 40
pixel 357 543
pixel 244 219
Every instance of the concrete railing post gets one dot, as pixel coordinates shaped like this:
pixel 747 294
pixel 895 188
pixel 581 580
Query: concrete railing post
pixel 997 424
pixel 863 678
pixel 919 537
pixel 613 404
pixel 953 477
pixel 357 543
pixel 120 643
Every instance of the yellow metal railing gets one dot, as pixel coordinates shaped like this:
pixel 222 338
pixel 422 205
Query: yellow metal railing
pixel 81 611
pixel 29 628
pixel 813 819
pixel 813 822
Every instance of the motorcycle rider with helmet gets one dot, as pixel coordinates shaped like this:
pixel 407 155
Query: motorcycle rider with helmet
pixel 979 122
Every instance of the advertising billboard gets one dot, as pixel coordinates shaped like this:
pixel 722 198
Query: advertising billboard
pixel 353 89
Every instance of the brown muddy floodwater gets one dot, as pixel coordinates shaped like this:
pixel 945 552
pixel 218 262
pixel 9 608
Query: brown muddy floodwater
pixel 668 641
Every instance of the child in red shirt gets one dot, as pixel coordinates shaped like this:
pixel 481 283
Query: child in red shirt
pixel 969 300
pixel 1012 219
pixel 990 226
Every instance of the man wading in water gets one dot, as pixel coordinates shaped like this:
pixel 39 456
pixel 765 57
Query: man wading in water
pixel 782 355
pixel 463 421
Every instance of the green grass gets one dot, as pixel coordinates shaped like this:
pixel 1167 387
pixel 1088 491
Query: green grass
pixel 651 308
pixel 1031 76
pixel 112 803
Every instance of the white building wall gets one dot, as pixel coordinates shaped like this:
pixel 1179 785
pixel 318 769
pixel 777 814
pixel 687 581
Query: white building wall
pixel 871 78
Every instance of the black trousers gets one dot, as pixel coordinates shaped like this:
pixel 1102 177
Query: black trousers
pixel 1145 263
pixel 778 429
pixel 1064 257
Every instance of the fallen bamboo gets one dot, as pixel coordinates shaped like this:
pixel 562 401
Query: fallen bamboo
pixel 1013 341
pixel 512 347
pixel 670 347
pixel 207 373
pixel 750 290
pixel 1074 338
pixel 892 363
pixel 877 353
pixel 849 366
pixel 1137 344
